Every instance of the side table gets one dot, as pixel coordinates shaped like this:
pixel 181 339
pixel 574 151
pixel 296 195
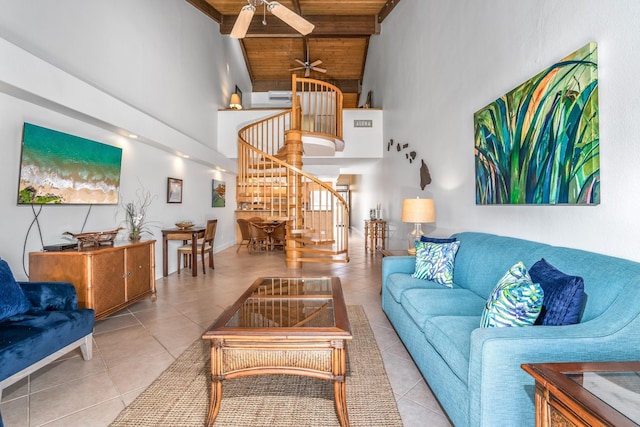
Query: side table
pixel 375 234
pixel 586 393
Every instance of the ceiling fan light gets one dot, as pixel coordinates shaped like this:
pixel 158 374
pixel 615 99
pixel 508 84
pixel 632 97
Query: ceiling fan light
pixel 242 22
pixel 294 20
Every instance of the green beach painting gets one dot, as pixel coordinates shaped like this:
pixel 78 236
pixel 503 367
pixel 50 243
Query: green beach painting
pixel 540 143
pixel 59 168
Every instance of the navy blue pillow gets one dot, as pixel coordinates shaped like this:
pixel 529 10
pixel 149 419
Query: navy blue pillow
pixel 437 240
pixel 12 298
pixel 563 294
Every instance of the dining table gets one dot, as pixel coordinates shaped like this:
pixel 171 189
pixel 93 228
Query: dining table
pixel 192 233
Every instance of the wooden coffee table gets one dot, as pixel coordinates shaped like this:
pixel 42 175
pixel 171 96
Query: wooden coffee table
pixel 283 325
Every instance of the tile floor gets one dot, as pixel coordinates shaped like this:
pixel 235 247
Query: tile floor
pixel 135 345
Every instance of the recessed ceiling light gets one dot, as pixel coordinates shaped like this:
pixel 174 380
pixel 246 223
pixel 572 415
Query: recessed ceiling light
pixel 133 135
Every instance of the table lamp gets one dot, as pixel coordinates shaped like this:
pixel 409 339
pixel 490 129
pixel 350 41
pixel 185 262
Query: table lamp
pixel 417 211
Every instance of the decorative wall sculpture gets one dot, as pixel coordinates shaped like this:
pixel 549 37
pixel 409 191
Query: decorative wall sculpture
pixel 425 176
pixel 539 143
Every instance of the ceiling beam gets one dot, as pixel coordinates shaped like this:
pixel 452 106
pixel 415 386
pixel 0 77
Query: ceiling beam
pixel 386 9
pixel 335 25
pixel 207 9
pixel 345 85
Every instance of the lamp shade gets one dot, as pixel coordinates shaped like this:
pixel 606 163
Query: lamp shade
pixel 418 210
pixel 235 102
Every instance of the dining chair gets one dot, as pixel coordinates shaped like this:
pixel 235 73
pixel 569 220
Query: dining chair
pixel 204 246
pixel 278 236
pixel 259 240
pixel 243 224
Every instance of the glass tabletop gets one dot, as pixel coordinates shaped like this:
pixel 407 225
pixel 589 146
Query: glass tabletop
pixel 287 302
pixel 291 287
pixel 620 390
pixel 283 313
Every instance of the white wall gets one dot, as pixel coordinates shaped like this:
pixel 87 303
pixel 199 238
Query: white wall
pixel 158 69
pixel 436 63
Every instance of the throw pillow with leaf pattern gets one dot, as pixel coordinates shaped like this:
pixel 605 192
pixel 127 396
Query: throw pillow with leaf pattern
pixel 434 261
pixel 515 301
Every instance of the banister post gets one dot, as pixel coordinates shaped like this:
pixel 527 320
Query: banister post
pixel 293 143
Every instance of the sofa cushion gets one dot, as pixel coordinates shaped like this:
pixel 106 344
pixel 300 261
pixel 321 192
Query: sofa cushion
pixel 434 261
pixel 563 294
pixel 450 336
pixel 26 338
pixel 397 283
pixel 422 304
pixel 515 301
pixel 12 298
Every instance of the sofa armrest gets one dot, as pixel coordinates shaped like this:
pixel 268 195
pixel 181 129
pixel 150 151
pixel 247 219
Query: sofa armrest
pixel 496 356
pixel 48 296
pixel 397 264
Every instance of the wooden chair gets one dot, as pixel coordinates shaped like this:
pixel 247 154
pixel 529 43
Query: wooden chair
pixel 243 224
pixel 278 236
pixel 258 240
pixel 204 246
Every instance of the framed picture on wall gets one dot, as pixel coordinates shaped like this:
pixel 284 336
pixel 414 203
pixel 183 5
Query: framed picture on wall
pixel 174 190
pixel 218 190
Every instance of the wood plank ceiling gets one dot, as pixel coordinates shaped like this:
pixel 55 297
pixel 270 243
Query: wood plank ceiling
pixel 340 40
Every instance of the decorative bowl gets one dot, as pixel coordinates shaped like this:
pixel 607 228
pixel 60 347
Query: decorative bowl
pixel 184 224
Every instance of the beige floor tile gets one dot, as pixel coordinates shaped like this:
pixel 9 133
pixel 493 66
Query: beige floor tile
pixel 66 399
pixel 66 370
pixel 15 412
pixel 99 415
pixel 140 372
pixel 414 415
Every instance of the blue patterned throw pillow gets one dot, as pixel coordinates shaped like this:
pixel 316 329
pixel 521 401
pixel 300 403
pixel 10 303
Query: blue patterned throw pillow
pixel 515 301
pixel 434 261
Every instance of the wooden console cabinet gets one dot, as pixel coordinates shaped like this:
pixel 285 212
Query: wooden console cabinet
pixel 106 278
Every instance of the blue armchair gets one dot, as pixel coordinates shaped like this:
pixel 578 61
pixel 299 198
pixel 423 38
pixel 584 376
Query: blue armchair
pixel 39 322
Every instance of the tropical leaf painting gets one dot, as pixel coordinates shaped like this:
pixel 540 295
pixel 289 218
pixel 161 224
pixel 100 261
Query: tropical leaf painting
pixel 540 143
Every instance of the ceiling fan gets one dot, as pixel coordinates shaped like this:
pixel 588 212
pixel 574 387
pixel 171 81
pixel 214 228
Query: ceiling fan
pixel 307 65
pixel 291 18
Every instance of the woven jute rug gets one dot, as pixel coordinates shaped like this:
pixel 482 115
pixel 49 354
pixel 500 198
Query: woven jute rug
pixel 180 396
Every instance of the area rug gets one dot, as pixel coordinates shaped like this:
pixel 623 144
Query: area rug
pixel 180 395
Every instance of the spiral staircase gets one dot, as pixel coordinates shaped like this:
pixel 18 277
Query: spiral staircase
pixel 271 179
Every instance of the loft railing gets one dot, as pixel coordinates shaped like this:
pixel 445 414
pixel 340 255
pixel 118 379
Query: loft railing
pixel 320 106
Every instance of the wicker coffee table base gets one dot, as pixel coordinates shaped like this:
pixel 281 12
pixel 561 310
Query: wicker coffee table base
pixel 313 357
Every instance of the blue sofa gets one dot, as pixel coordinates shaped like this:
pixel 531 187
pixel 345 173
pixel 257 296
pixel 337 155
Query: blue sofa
pixel 39 322
pixel 474 372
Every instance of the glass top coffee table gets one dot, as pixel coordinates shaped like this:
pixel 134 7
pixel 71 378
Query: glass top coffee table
pixel 587 393
pixel 282 325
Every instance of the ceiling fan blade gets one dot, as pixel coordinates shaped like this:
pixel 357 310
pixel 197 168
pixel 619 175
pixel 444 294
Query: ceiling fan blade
pixel 300 62
pixel 296 69
pixel 292 19
pixel 307 72
pixel 242 22
pixel 316 62
pixel 320 70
